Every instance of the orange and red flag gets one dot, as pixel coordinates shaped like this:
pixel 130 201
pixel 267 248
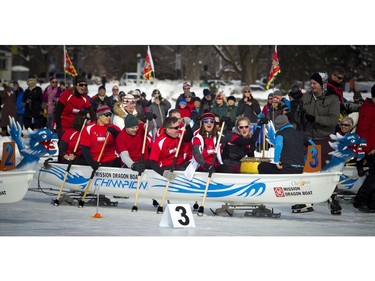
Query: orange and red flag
pixel 275 68
pixel 68 65
pixel 148 67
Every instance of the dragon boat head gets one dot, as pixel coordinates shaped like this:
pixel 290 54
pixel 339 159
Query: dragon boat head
pixel 348 146
pixel 32 145
pixel 42 142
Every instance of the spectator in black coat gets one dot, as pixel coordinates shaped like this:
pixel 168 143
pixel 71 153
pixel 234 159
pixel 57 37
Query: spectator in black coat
pixel 33 99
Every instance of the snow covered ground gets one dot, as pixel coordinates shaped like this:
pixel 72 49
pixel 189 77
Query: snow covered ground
pixel 60 242
pixel 35 216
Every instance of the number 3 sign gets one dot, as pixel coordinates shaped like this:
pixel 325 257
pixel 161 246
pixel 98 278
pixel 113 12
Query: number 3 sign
pixel 177 215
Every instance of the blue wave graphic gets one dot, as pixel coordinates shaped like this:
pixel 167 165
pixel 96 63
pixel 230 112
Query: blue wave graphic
pixel 179 185
pixel 349 183
pixel 215 190
pixel 75 179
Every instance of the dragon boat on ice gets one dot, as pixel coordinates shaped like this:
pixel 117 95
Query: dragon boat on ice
pixel 15 182
pixel 228 188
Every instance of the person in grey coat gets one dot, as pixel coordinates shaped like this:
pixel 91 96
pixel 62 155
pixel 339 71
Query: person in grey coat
pixel 319 113
pixel 159 106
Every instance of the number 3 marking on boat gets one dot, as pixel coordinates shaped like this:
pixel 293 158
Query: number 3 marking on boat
pixel 314 157
pixel 177 216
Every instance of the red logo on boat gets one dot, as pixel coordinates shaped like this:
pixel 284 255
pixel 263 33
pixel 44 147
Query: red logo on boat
pixel 279 191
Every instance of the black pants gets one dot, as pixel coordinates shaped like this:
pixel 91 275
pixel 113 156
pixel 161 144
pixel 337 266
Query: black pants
pixel 269 168
pixel 366 193
pixel 33 123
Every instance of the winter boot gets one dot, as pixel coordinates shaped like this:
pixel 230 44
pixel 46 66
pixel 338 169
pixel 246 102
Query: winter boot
pixel 365 209
pixel 302 208
pixel 334 205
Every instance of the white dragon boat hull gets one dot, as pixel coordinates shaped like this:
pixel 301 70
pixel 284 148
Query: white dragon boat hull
pixel 227 188
pixel 14 185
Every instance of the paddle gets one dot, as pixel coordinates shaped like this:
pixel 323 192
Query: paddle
pixel 56 202
pixel 201 207
pixel 81 202
pixel 349 178
pixel 135 208
pixel 160 208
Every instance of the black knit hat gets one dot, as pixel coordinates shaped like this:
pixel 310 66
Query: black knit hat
pixel 295 92
pixel 231 98
pixel 78 79
pixel 316 76
pixel 206 92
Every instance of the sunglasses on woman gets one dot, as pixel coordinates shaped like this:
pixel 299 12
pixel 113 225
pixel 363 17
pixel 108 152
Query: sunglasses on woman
pixel 244 127
pixel 208 121
pixel 345 125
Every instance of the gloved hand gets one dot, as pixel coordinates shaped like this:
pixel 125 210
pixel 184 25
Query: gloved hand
pixel 169 175
pixel 208 168
pixel 310 118
pixel 225 119
pixel 186 120
pixel 112 131
pixel 149 116
pixel 361 172
pixel 228 123
pixel 95 165
pixel 59 131
pixel 262 121
pixel 138 167
pixel 197 119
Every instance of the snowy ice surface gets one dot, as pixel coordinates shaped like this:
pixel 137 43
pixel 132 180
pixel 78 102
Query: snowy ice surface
pixel 65 242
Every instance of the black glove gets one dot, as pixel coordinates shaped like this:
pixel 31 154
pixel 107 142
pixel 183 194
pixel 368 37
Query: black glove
pixel 197 119
pixel 113 131
pixel 360 171
pixel 138 167
pixel 149 116
pixel 229 125
pixel 208 168
pixel 310 118
pixel 262 121
pixel 95 165
pixel 59 132
pixel 226 119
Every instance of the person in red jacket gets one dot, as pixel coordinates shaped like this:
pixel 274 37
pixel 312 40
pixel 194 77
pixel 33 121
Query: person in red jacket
pixel 70 103
pixel 129 142
pixel 93 138
pixel 184 109
pixel 366 123
pixel 69 140
pixel 204 144
pixel 165 146
pixel 365 197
